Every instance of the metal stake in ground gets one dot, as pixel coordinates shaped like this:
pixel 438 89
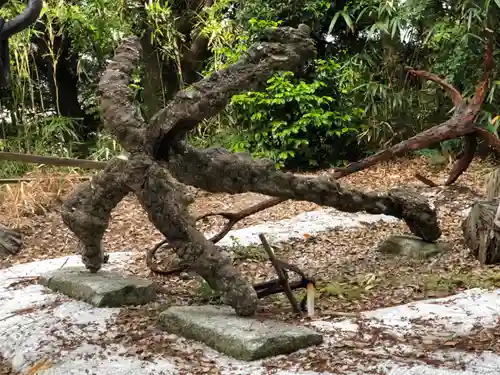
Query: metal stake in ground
pixel 281 275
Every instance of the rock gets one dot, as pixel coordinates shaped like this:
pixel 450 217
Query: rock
pixel 240 337
pixel 410 246
pixel 102 289
pixel 11 241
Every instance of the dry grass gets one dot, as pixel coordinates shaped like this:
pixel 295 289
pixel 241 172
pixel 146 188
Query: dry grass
pixel 39 196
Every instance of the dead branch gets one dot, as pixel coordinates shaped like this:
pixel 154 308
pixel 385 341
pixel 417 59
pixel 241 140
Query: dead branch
pixel 283 279
pixel 425 180
pixel 87 209
pixel 461 124
pixel 127 125
pixel 52 160
pixel 241 175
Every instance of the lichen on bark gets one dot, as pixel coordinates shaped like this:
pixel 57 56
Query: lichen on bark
pixel 221 171
pixel 160 164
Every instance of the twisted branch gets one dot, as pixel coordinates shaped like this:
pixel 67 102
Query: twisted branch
pixel 278 49
pixel 461 124
pixel 87 210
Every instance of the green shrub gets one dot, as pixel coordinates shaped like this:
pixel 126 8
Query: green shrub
pixel 298 121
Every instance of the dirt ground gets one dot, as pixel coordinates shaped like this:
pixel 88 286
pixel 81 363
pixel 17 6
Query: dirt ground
pixel 352 276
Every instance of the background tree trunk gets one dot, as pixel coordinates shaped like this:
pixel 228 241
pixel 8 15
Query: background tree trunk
pixel 481 233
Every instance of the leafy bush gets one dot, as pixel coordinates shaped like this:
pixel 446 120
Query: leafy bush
pixel 297 121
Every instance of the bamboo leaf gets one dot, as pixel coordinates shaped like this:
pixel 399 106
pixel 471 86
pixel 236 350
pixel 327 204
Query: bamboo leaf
pixel 348 20
pixel 333 22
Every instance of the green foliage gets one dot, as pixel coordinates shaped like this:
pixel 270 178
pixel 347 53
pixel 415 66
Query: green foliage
pixel 296 122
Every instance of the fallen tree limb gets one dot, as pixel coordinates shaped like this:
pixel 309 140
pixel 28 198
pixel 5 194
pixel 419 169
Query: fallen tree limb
pixel 160 164
pixel 241 175
pixel 87 209
pixel 52 160
pixel 461 124
pixel 204 99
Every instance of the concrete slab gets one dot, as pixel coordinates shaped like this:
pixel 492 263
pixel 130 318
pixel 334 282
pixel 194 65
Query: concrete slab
pixel 242 338
pixel 411 247
pixel 102 289
pixel 36 326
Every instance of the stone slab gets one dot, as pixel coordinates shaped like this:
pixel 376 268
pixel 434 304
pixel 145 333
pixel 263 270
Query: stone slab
pixel 239 337
pixel 411 246
pixel 102 289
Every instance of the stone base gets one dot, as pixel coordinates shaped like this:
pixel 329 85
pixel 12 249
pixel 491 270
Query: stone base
pixel 102 289
pixel 242 338
pixel 411 247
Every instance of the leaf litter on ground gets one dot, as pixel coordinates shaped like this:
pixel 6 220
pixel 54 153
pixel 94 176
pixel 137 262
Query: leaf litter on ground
pixel 352 276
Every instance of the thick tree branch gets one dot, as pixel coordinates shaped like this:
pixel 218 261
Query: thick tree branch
pixel 464 159
pixel 87 209
pixel 127 125
pixel 455 95
pixel 221 171
pixel 460 124
pixel 457 126
pixel 158 193
pixel 280 49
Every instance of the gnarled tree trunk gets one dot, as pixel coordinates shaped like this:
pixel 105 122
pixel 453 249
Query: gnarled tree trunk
pixel 482 232
pixel 161 163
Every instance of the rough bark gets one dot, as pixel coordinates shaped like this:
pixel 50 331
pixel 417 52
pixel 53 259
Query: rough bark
pixel 240 174
pixel 481 233
pixel 11 241
pixel 166 206
pixel 461 124
pixel 160 162
pixel 279 49
pixel 87 209
pixel 118 112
